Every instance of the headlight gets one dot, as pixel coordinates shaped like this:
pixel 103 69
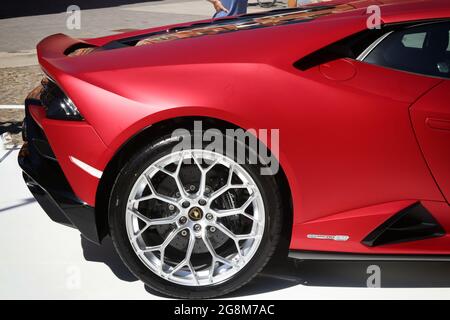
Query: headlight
pixel 58 105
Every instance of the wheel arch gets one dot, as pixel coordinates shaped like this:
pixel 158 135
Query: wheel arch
pixel 164 127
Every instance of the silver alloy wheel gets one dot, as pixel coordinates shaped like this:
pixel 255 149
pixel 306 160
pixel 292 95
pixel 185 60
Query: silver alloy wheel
pixel 201 220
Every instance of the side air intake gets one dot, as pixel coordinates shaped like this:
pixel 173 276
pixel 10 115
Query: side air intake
pixel 410 224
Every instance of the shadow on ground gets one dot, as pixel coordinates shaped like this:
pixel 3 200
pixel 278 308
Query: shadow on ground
pixel 106 253
pixel 22 203
pixel 23 8
pixel 289 273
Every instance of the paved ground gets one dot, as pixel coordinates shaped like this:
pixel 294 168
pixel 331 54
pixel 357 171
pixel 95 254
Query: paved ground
pixel 17 82
pixel 40 259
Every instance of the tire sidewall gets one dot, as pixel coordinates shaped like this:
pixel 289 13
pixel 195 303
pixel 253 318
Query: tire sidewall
pixel 123 185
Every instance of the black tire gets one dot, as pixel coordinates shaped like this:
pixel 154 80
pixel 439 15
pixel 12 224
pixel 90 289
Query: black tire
pixel 117 210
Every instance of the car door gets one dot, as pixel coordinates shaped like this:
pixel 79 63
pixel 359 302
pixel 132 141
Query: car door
pixel 425 50
pixel 431 120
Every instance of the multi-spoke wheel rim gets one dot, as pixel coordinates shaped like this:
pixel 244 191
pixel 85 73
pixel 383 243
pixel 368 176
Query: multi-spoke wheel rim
pixel 195 233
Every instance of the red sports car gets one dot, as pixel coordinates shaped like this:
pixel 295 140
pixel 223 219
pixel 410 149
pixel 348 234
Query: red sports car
pixel 339 115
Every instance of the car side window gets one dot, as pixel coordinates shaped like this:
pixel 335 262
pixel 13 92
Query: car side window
pixel 423 49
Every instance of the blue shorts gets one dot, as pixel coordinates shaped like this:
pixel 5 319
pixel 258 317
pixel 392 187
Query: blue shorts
pixel 235 7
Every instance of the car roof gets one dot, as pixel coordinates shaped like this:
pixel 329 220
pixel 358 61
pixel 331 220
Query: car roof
pixel 393 10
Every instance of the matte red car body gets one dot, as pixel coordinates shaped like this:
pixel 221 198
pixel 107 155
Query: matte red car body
pixel 358 142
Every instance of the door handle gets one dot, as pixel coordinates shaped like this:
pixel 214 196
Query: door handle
pixel 439 124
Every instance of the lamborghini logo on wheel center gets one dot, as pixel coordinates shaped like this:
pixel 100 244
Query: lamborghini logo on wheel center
pixel 195 214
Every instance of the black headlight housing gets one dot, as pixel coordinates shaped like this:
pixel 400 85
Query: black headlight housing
pixel 57 104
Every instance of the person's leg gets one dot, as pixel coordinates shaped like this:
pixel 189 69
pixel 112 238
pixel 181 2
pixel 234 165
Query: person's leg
pixel 241 6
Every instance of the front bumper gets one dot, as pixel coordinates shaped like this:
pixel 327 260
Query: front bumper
pixel 48 184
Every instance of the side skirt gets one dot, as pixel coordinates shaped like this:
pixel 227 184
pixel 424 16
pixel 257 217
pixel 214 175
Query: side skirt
pixel 338 256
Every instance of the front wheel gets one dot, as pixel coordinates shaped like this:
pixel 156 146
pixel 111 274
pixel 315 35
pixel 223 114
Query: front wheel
pixel 193 223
